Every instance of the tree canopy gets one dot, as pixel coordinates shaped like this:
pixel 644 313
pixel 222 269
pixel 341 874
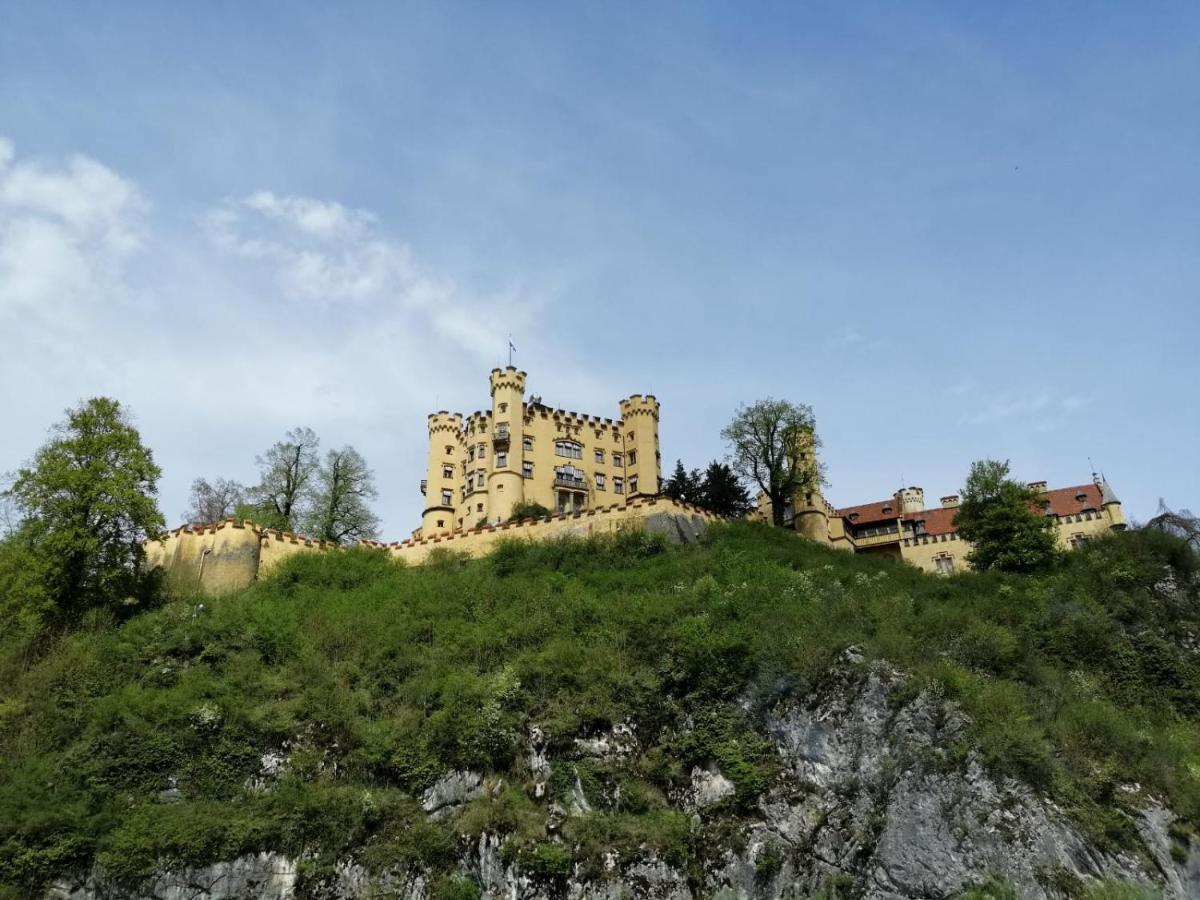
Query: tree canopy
pixel 1004 521
pixel 87 503
pixel 343 488
pixel 773 443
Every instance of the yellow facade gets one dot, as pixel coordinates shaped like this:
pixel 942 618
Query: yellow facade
pixel 480 467
pixel 904 528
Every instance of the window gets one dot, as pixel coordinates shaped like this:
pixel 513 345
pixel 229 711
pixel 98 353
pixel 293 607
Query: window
pixel 944 565
pixel 600 457
pixel 633 457
pixel 618 460
pixel 527 469
pixel 633 485
pixel 482 451
pixel 447 498
pixel 503 407
pixel 471 454
pixel 568 449
pixel 441 522
pixel 478 507
pixel 632 437
pixel 618 485
pixel 447 471
pixel 479 479
pixel 599 481
pixel 527 444
pixel 449 450
pixel 501 460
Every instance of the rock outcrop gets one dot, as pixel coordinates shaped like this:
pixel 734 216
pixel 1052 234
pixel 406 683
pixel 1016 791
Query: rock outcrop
pixel 871 799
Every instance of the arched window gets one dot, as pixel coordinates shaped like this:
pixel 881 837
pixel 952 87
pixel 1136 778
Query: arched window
pixel 569 449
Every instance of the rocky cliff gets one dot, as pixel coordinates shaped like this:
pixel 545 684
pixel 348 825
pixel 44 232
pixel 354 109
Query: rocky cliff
pixel 876 797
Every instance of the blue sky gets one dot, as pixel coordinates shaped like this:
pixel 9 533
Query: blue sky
pixel 956 230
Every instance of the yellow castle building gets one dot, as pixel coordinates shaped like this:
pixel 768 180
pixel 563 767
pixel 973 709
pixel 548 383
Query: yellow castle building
pixel 482 466
pixel 902 527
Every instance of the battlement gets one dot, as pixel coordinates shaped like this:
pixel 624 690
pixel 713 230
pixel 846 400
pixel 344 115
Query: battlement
pixel 443 421
pixel 231 555
pixel 509 377
pixel 636 404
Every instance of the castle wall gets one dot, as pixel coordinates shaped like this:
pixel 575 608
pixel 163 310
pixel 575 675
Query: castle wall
pixel 230 555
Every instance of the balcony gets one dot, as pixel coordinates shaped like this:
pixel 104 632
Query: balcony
pixel 571 482
pixel 500 436
pixel 424 485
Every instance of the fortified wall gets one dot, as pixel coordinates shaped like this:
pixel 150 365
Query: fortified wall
pixel 230 555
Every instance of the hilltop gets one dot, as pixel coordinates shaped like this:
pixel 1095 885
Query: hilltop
pixel 755 716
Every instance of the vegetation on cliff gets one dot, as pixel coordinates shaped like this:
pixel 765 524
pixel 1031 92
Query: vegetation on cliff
pixel 164 736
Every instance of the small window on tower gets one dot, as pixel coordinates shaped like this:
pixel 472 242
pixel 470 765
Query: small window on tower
pixel 447 498
pixel 449 450
pixel 447 471
pixel 479 479
pixel 527 444
pixel 501 460
pixel 633 457
pixel 478 507
pixel 633 485
pixel 527 469
pixel 618 460
pixel 503 407
pixel 600 456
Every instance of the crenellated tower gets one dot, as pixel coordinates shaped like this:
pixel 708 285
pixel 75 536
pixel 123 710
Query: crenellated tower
pixel 506 483
pixel 442 473
pixel 643 463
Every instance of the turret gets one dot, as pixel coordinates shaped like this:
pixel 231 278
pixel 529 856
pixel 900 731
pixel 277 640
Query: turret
pixel 1110 503
pixel 442 473
pixel 910 500
pixel 643 466
pixel 506 484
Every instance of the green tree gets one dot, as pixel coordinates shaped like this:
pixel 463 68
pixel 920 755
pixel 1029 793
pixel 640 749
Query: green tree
pixel 87 504
pixel 1004 520
pixel 773 443
pixel 723 492
pixel 288 470
pixel 684 486
pixel 343 489
pixel 527 510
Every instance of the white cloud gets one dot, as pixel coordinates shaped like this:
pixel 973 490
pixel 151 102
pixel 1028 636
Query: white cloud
pixel 323 253
pixel 67 231
pixel 1041 404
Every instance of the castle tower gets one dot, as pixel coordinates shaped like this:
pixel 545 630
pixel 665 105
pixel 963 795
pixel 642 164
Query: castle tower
pixel 910 500
pixel 643 465
pixel 506 483
pixel 442 473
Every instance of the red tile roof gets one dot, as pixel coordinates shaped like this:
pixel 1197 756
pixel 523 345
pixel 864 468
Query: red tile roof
pixel 938 520
pixel 871 512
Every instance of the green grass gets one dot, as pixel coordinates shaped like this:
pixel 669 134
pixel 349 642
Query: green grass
pixel 375 679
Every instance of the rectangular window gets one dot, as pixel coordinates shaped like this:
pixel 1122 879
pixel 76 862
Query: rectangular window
pixel 482 451
pixel 633 457
pixel 600 457
pixel 447 471
pixel 618 485
pixel 569 449
pixel 631 437
pixel 471 454
pixel 501 460
pixel 618 460
pixel 945 565
pixel 599 481
pixel 527 444
pixel 447 498
pixel 479 479
pixel 527 469
pixel 633 485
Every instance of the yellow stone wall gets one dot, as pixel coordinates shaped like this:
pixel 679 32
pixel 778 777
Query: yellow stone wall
pixel 231 555
pixel 482 465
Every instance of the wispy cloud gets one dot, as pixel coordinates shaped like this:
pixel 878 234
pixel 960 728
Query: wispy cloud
pixel 1041 404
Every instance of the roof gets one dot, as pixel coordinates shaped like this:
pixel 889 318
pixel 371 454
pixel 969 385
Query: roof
pixel 871 512
pixel 1066 501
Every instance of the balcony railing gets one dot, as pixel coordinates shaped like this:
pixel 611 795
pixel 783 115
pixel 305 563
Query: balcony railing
pixel 570 481
pixel 500 435
pixel 424 485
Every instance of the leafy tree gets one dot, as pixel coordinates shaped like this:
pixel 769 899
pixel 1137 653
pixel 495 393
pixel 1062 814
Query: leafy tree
pixel 723 492
pixel 87 502
pixel 774 444
pixel 215 501
pixel 527 510
pixel 343 489
pixel 685 486
pixel 1003 520
pixel 283 496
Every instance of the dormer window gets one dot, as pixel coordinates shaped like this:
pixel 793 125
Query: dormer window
pixel 887 509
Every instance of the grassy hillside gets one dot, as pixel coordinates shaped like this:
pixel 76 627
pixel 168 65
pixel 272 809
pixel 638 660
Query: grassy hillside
pixel 143 740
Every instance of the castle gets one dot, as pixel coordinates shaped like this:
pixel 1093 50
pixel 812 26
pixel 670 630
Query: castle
pixel 901 527
pixel 522 452
pixel 596 475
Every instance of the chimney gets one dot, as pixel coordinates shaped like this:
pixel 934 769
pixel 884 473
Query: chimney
pixel 950 501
